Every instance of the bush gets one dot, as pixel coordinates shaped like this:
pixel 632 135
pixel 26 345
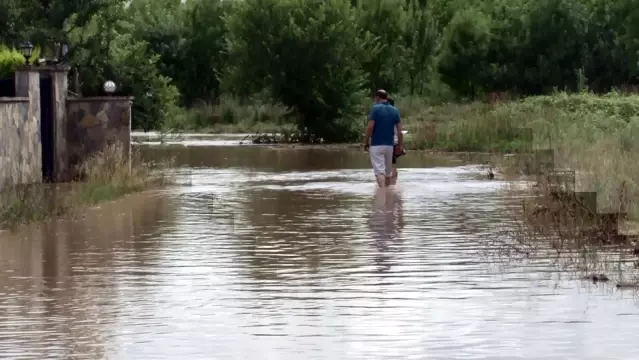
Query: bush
pixel 12 59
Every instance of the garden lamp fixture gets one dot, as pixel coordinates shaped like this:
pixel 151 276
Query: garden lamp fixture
pixel 109 87
pixel 64 52
pixel 61 51
pixel 57 48
pixel 26 48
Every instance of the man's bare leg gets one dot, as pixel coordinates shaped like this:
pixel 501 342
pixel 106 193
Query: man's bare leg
pixel 388 166
pixel 380 198
pixel 381 180
pixel 394 176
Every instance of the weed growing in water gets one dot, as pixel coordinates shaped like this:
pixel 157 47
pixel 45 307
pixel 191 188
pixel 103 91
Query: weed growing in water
pixel 108 175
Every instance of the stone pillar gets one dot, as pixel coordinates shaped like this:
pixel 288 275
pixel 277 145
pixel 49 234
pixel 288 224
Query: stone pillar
pixel 27 82
pixel 59 77
pixel 94 123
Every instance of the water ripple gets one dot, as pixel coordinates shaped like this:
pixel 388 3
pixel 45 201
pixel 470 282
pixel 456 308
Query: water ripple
pixel 245 264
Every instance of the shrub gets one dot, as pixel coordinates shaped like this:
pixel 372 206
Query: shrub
pixel 12 59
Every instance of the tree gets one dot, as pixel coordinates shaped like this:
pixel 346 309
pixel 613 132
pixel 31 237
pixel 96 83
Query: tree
pixel 306 54
pixel 465 44
pixel 420 38
pixel 382 21
pixel 106 48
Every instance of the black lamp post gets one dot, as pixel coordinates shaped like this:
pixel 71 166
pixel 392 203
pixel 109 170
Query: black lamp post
pixel 61 52
pixel 64 52
pixel 57 46
pixel 26 48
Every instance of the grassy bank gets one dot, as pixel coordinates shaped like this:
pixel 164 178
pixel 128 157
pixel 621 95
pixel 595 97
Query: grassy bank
pixel 501 127
pixel 593 135
pixel 108 176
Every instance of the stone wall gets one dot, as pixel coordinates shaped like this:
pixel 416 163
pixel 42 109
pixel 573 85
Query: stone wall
pixel 94 123
pixel 81 127
pixel 13 112
pixel 20 146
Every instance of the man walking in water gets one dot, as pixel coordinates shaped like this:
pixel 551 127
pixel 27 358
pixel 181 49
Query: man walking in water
pixel 383 120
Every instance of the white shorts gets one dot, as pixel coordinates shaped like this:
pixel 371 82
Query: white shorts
pixel 382 159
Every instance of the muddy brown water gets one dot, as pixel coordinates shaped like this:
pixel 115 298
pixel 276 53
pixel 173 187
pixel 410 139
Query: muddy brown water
pixel 267 253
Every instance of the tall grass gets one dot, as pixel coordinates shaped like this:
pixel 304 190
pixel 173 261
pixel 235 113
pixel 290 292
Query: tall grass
pixel 501 126
pixel 108 175
pixel 230 115
pixel 593 135
pixel 475 127
pixel 544 230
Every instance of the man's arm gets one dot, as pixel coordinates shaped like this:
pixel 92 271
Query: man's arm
pixel 369 129
pixel 369 132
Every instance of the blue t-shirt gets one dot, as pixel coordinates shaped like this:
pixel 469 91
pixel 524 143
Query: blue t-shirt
pixel 386 117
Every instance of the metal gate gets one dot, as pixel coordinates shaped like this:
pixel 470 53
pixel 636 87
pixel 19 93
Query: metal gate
pixel 7 87
pixel 46 127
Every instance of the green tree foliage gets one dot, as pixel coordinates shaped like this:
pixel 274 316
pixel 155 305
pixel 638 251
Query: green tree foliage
pixel 10 14
pixel 323 58
pixel 203 51
pixel 611 43
pixel 556 35
pixel 127 59
pixel 306 54
pixel 382 22
pixel 419 39
pixel 466 42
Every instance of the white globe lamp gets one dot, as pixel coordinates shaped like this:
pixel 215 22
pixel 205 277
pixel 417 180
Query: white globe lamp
pixel 109 87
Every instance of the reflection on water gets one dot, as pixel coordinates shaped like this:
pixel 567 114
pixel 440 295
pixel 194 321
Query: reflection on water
pixel 294 254
pixel 46 309
pixel 386 223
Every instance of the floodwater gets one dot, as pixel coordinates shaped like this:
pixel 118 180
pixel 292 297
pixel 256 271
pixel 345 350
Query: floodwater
pixel 270 253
